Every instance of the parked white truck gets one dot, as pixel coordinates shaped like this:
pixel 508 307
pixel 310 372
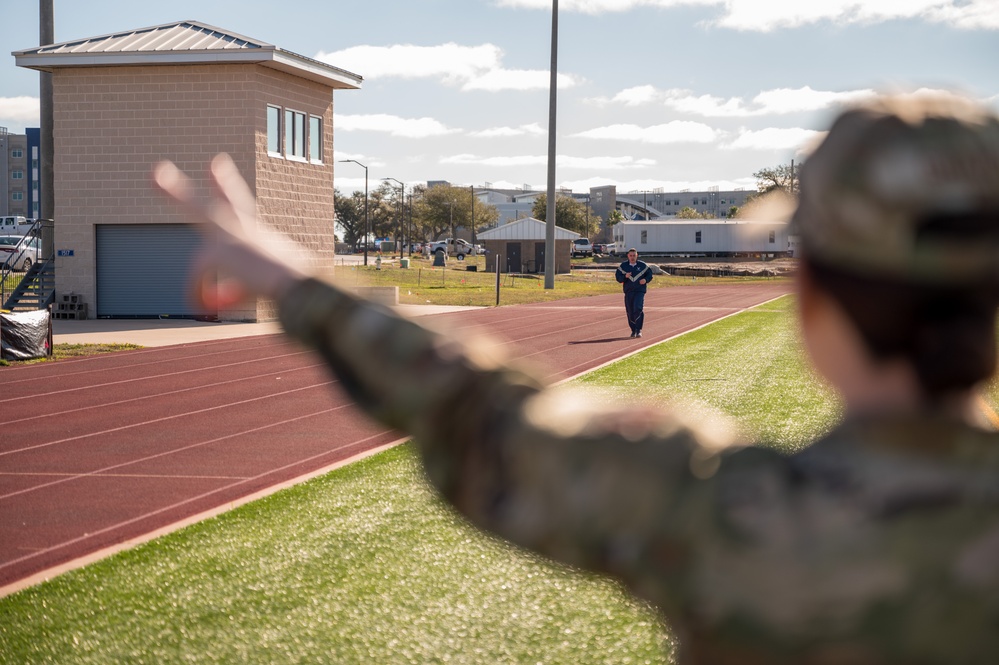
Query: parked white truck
pixel 15 225
pixel 459 248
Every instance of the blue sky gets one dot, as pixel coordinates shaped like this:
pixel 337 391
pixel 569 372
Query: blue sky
pixel 672 94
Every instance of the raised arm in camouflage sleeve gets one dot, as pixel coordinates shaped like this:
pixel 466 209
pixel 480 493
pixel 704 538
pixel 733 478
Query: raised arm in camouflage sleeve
pixel 748 553
pixel 589 493
pixel 878 544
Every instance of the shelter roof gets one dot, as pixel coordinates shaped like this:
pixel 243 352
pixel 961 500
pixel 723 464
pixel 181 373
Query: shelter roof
pixel 181 43
pixel 526 228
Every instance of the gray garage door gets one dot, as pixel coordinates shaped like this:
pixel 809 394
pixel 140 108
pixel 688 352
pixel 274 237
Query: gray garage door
pixel 143 271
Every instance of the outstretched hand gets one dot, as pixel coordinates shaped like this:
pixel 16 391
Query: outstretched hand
pixel 239 258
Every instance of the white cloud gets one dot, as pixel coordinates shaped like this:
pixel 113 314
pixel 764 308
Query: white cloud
pixel 636 96
pixel 600 6
pixel 562 161
pixel 676 131
pixel 17 113
pixel 466 67
pixel 518 79
pixel 412 128
pixel 768 15
pixel 511 160
pixel 707 106
pixel 774 138
pixel 533 129
pixel 765 16
pixel 769 102
pixel 603 163
pixel 779 101
pixel 797 100
pixel 634 188
pixel 367 160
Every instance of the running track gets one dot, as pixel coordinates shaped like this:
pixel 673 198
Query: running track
pixel 103 452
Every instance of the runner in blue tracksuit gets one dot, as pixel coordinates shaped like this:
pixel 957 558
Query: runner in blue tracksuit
pixel 635 275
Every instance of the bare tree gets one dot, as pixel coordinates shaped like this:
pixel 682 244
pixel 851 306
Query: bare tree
pixel 782 176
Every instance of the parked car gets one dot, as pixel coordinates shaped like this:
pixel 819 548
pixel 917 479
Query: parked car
pixel 582 247
pixel 19 252
pixel 599 248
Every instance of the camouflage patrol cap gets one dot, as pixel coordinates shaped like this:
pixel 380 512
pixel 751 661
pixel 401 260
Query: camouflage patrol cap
pixel 905 187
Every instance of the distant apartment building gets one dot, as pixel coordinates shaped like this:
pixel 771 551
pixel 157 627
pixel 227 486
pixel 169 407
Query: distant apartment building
pixel 658 204
pixel 514 204
pixel 19 173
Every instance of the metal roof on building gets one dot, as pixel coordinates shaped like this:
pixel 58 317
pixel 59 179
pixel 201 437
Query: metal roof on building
pixel 526 228
pixel 182 43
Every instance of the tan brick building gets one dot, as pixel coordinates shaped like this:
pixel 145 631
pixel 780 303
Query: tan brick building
pixel 184 92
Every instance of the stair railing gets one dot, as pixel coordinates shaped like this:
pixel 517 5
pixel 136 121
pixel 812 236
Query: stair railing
pixel 34 232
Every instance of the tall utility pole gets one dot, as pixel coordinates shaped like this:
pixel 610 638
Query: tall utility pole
pixel 550 212
pixel 46 36
pixel 471 188
pixel 367 228
pixel 402 211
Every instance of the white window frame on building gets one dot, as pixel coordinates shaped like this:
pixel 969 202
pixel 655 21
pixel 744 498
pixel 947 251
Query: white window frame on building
pixel 645 238
pixel 315 139
pixel 16 153
pixel 697 237
pixel 294 135
pixel 17 175
pixel 274 133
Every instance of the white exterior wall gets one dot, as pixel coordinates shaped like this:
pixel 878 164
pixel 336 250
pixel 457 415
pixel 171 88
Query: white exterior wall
pixel 734 236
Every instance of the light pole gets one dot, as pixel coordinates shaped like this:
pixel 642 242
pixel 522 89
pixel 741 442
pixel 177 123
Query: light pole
pixel 46 211
pixel 550 221
pixel 367 231
pixel 402 210
pixel 450 206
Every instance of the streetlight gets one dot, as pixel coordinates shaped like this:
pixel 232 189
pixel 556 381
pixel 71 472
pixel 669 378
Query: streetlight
pixel 471 189
pixel 367 231
pixel 402 210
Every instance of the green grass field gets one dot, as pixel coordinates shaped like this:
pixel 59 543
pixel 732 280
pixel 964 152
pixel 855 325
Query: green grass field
pixel 363 565
pixel 422 284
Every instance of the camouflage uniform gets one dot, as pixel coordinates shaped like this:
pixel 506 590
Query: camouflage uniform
pixel 877 544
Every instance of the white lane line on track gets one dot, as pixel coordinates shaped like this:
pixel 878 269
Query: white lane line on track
pixel 147 458
pixel 146 378
pixel 228 506
pixel 174 417
pixel 200 386
pixel 116 367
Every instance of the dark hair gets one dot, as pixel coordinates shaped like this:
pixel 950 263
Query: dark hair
pixel 947 332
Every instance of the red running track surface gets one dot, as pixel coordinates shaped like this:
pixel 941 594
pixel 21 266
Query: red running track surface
pixel 102 452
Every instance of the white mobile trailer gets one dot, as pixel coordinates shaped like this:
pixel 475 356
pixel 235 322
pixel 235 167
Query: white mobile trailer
pixel 718 237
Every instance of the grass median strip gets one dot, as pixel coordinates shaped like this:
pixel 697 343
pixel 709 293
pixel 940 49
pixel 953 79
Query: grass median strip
pixel 422 284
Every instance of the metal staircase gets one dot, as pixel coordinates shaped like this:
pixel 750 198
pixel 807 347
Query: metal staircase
pixel 36 290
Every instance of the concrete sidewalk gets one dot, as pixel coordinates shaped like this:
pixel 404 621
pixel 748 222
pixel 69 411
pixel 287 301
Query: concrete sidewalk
pixel 164 332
